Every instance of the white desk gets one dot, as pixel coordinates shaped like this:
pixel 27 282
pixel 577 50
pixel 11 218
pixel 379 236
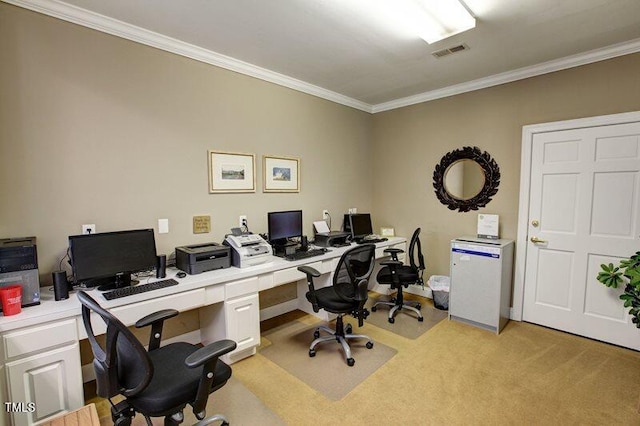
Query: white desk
pixel 39 348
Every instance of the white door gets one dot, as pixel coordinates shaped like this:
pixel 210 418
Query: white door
pixel 585 208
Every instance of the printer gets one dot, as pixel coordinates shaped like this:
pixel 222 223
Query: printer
pixel 248 249
pixel 332 239
pixel 200 258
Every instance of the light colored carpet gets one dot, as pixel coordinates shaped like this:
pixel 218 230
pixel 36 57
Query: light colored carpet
pixel 456 374
pixel 406 322
pixel 328 371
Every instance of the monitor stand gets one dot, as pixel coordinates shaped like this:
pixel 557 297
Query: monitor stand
pixel 119 281
pixel 283 249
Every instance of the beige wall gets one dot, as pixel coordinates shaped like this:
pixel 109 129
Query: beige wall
pixel 409 142
pixel 97 129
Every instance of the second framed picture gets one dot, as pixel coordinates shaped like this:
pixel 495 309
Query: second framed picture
pixel 281 174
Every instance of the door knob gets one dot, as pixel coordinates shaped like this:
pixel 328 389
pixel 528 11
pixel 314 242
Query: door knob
pixel 537 240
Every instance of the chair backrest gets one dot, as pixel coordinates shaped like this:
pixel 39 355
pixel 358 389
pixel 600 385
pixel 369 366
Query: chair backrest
pixel 122 366
pixel 415 251
pixel 355 267
pixel 355 264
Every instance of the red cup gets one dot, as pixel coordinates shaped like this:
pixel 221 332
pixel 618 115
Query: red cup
pixel 11 299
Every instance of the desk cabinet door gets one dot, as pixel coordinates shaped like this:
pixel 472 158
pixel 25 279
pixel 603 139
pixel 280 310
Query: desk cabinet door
pixel 243 321
pixel 51 380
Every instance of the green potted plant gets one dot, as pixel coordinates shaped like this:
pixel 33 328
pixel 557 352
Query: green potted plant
pixel 627 272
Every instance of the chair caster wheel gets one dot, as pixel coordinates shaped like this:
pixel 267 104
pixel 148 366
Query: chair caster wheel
pixel 392 320
pixel 348 329
pixel 316 334
pixel 224 424
pixel 373 309
pixel 421 319
pixel 418 306
pixel 369 345
pixel 350 362
pixel 392 300
pixel 312 353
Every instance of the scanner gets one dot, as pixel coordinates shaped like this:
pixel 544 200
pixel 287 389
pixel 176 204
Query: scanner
pixel 248 249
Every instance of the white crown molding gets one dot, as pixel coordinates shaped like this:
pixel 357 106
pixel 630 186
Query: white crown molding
pixel 572 61
pixel 76 15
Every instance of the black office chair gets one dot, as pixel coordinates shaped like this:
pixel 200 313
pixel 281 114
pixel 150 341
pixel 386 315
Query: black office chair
pixel 160 382
pixel 397 275
pixel 347 295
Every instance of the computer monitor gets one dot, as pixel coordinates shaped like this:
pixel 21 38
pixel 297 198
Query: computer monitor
pixel 108 259
pixel 346 225
pixel 284 225
pixel 360 224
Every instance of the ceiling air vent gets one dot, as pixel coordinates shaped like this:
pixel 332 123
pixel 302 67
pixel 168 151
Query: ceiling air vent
pixel 450 50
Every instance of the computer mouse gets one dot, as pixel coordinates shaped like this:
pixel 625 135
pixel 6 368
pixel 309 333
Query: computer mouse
pixel 181 274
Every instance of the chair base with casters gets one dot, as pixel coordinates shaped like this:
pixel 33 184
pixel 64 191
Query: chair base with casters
pixel 341 335
pixel 397 304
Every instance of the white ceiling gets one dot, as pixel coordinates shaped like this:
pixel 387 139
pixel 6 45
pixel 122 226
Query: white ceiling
pixel 327 49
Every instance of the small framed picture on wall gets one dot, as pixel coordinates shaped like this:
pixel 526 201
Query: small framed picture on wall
pixel 231 172
pixel 281 174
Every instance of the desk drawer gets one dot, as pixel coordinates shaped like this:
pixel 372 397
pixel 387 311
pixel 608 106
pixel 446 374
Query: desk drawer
pixel 292 274
pixel 240 288
pixel 129 314
pixel 34 339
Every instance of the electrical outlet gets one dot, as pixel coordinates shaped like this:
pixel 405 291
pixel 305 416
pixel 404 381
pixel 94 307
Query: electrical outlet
pixel 353 210
pixel 242 220
pixel 89 229
pixel 325 214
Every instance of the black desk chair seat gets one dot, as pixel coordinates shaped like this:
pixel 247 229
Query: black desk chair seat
pixel 347 295
pixel 399 276
pixel 160 382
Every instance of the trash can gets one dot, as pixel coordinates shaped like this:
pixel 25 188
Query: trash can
pixel 440 285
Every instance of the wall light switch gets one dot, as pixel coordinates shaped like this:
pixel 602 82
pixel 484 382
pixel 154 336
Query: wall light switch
pixel 163 226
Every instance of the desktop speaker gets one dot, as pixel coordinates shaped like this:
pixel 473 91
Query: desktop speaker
pixel 304 243
pixel 60 285
pixel 161 266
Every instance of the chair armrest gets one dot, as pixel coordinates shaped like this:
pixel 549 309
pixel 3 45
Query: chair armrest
pixel 207 357
pixel 156 320
pixel 391 263
pixel 393 252
pixel 212 350
pixel 156 316
pixel 311 274
pixel 309 271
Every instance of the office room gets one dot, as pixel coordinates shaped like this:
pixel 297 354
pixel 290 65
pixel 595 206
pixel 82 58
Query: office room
pixel 109 122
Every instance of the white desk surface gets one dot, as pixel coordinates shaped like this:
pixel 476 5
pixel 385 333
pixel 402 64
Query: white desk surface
pixel 51 310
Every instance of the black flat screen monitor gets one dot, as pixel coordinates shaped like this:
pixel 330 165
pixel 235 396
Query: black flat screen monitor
pixel 360 224
pixel 284 225
pixel 108 259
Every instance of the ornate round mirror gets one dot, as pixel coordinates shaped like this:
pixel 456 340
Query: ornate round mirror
pixel 466 179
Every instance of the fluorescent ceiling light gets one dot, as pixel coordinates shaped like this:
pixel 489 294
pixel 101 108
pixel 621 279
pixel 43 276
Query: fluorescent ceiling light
pixel 442 19
pixel 431 20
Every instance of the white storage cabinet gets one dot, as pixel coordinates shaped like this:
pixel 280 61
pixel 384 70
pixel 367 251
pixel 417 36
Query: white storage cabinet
pixel 480 292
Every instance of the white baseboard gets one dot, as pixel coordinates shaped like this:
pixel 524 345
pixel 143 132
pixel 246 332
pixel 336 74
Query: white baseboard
pixel 420 291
